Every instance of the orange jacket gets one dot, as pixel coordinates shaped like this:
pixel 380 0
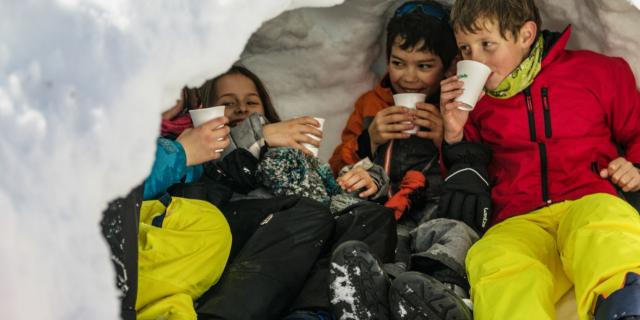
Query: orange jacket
pixel 367 106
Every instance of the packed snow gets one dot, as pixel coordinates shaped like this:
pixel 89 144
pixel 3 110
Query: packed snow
pixel 83 82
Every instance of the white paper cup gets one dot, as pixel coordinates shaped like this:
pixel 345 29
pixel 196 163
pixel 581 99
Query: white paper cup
pixel 409 100
pixel 311 148
pixel 474 75
pixel 200 116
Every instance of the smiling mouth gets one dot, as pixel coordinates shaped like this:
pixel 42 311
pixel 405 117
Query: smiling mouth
pixel 234 122
pixel 412 90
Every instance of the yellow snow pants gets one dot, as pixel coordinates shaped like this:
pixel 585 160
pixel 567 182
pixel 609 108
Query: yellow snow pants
pixel 182 259
pixel 522 266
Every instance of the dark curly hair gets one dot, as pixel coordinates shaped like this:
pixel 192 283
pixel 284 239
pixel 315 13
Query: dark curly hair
pixel 416 26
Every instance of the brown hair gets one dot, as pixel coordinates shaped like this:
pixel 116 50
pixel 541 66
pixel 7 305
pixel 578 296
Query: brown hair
pixel 510 15
pixel 208 91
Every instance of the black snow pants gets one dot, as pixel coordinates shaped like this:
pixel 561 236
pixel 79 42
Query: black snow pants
pixel 366 221
pixel 275 244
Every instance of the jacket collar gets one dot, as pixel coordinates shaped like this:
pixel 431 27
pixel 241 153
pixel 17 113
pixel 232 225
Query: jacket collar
pixel 384 91
pixel 555 43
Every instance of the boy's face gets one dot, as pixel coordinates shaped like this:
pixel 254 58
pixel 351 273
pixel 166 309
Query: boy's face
pixel 413 71
pixel 489 47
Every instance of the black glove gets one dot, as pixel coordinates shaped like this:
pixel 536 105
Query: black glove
pixel 466 194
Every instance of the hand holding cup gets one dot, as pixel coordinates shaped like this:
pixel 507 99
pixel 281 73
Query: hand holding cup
pixel 474 75
pixel 455 112
pixel 428 117
pixel 294 133
pixel 205 142
pixel 390 123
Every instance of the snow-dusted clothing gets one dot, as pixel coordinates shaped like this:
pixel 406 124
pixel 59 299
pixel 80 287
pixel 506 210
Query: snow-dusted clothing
pixel 120 229
pixel 442 243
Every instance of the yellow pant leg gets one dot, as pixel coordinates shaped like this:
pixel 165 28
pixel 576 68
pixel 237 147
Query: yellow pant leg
pixel 174 307
pixel 599 239
pixel 515 270
pixel 181 260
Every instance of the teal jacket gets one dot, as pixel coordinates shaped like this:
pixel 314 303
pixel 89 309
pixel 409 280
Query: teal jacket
pixel 169 167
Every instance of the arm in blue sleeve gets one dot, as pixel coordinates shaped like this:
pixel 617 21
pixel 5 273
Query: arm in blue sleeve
pixel 169 167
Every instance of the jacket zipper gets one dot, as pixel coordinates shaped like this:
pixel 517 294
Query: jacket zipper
pixel 547 112
pixel 542 149
pixel 532 121
pixel 543 172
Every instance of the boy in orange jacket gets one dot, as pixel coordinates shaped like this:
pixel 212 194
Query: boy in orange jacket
pixel 420 48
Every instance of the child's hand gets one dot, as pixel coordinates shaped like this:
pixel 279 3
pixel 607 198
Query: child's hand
pixel 623 174
pixel 388 125
pixel 293 133
pixel 356 179
pixel 173 111
pixel 454 118
pixel 428 116
pixel 204 143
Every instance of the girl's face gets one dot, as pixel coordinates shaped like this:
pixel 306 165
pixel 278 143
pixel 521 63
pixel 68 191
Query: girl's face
pixel 239 96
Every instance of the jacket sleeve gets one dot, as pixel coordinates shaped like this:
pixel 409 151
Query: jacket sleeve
pixel 377 173
pixel 470 133
pixel 624 109
pixel 169 167
pixel 346 152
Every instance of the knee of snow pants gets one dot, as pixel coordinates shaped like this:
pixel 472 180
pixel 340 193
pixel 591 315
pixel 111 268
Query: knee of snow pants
pixel 183 250
pixel 270 269
pixel 368 222
pixel 523 265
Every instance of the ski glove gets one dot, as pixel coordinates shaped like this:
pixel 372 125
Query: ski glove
pixel 466 194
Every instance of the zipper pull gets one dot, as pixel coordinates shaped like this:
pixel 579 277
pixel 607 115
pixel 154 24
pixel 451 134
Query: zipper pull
pixel 529 99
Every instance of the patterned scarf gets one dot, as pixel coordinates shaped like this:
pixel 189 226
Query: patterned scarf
pixel 522 76
pixel 287 171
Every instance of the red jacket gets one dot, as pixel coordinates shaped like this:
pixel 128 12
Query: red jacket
pixel 550 141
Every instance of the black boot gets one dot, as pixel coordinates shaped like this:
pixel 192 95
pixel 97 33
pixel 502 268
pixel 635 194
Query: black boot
pixel 414 295
pixel 358 287
pixel 622 304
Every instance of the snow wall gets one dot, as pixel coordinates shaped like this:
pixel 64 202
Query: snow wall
pixel 83 82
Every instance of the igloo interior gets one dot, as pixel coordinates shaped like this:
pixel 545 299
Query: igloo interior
pixel 83 82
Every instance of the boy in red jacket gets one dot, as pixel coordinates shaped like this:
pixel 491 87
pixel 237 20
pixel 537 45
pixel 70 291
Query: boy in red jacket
pixel 553 119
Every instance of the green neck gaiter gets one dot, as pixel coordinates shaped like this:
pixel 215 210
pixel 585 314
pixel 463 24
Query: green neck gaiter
pixel 522 76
